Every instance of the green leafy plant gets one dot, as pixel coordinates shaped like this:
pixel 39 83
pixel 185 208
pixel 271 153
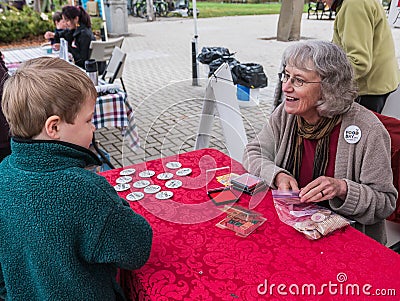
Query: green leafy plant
pixel 16 25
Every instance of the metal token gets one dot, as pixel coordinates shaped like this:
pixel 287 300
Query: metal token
pixel 122 187
pixel 163 195
pixel 135 196
pixel 127 172
pixel 152 189
pixel 165 176
pixel 318 217
pixel 141 184
pixel 124 179
pixel 147 173
pixel 173 165
pixel 184 172
pixel 173 184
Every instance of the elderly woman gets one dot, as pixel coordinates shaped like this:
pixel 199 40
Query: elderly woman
pixel 321 142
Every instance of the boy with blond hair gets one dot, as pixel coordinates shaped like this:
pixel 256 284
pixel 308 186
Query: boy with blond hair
pixel 64 230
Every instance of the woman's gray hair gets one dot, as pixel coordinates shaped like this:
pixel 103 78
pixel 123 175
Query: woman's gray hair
pixel 330 62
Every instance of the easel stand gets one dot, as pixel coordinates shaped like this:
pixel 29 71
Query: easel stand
pixel 221 97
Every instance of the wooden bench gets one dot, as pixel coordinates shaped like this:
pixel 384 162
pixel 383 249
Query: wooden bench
pixel 319 9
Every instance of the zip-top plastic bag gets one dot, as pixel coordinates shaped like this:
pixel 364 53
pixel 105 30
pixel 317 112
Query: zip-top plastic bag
pixel 312 220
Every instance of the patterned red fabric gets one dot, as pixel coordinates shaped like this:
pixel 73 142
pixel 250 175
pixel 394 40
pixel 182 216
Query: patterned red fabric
pixel 192 259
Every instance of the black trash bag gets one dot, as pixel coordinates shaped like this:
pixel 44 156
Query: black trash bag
pixel 249 75
pixel 208 54
pixel 214 65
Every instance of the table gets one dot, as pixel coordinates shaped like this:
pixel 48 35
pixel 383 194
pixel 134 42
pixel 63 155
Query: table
pixel 192 259
pixel 16 56
pixel 114 110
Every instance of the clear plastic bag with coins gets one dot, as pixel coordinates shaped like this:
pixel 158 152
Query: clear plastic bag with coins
pixel 310 219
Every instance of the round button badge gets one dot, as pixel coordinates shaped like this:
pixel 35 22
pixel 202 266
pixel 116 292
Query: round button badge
pixel 147 173
pixel 318 217
pixel 352 134
pixel 124 179
pixel 141 184
pixel 152 189
pixel 184 172
pixel 135 196
pixel 173 184
pixel 165 176
pixel 164 195
pixel 174 165
pixel 122 187
pixel 127 172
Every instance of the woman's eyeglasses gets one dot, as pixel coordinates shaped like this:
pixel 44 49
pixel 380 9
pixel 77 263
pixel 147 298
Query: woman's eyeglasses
pixel 296 82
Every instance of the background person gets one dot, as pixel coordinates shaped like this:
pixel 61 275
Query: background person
pixel 289 22
pixel 64 230
pixel 79 35
pixel 303 144
pixel 60 27
pixel 362 30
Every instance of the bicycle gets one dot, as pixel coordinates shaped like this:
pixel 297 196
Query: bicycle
pixel 161 8
pixel 137 8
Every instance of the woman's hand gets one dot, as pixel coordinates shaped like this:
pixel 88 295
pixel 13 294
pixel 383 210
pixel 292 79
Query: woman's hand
pixel 49 35
pixel 323 188
pixel 285 182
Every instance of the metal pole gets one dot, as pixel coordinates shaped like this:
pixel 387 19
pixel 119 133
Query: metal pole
pixel 104 34
pixel 195 81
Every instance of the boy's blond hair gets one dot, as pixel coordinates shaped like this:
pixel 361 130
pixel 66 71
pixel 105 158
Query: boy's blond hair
pixel 41 88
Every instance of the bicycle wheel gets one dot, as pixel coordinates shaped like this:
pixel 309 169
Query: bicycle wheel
pixel 142 11
pixel 162 9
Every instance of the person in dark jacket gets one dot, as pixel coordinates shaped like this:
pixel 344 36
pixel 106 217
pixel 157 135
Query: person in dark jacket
pixel 64 230
pixel 5 148
pixel 79 35
pixel 60 25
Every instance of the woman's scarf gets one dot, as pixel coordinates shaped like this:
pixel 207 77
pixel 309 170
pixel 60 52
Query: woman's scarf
pixel 321 132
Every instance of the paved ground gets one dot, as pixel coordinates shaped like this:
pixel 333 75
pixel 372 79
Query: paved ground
pixel 158 77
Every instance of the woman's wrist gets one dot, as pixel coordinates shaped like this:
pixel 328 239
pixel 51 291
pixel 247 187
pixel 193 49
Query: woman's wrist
pixel 342 189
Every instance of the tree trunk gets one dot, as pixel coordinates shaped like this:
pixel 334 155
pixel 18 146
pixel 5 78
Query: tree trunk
pixel 150 10
pixel 36 6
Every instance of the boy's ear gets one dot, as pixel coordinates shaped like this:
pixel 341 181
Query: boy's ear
pixel 52 126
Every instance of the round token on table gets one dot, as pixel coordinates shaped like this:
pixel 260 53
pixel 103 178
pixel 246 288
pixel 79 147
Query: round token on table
pixel 147 173
pixel 184 172
pixel 124 179
pixel 122 187
pixel 141 184
pixel 127 172
pixel 165 176
pixel 173 184
pixel 135 196
pixel 173 165
pixel 163 195
pixel 152 189
pixel 305 225
pixel 318 217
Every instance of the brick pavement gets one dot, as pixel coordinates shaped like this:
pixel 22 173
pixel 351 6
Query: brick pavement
pixel 157 75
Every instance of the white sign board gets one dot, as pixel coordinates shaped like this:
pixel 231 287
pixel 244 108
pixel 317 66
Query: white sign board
pixel 394 13
pixel 221 97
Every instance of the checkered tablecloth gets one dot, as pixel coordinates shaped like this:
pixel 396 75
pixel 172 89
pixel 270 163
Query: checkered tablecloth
pixel 18 56
pixel 114 110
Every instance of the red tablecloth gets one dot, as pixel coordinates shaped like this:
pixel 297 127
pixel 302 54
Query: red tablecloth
pixel 192 259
